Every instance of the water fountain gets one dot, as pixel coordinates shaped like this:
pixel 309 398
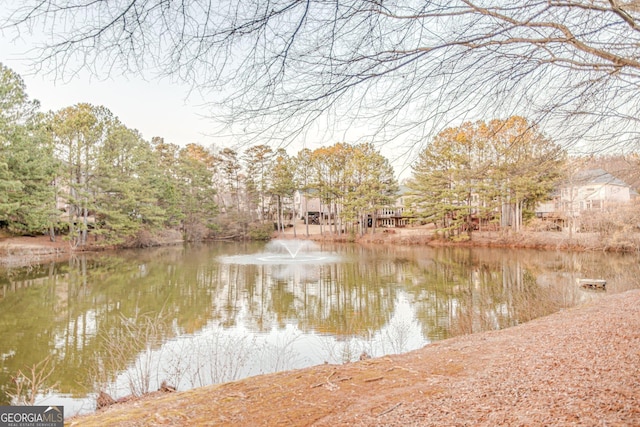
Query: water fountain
pixel 293 247
pixel 284 252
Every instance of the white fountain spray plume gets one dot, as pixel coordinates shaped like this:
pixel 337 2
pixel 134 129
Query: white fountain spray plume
pixel 285 252
pixel 293 247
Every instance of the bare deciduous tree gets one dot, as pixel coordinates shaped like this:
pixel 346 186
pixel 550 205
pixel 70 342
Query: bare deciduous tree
pixel 400 69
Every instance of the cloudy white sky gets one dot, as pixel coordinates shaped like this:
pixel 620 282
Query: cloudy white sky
pixel 155 108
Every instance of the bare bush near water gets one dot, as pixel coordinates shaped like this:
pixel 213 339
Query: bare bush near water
pixel 222 356
pixel 617 225
pixel 139 358
pixel 32 381
pixel 215 358
pixel 138 337
pixel 398 335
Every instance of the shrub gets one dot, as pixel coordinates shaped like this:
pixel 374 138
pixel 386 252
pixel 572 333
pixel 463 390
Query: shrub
pixel 258 231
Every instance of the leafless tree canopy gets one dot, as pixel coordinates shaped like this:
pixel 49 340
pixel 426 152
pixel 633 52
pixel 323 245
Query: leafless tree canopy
pixel 402 68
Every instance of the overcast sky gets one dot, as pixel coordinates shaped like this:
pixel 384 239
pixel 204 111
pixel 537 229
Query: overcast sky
pixel 164 108
pixel 155 108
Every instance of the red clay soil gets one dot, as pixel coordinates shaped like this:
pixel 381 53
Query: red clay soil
pixel 578 367
pixel 17 251
pixel 36 242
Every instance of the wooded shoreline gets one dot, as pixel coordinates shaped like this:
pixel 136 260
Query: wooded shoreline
pixel 23 251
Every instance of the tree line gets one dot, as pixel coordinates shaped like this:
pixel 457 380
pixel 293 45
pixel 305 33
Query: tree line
pixel 485 173
pixel 256 188
pixel 405 69
pixel 81 172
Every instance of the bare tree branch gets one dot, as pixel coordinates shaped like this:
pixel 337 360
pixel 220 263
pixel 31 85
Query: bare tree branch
pixel 399 71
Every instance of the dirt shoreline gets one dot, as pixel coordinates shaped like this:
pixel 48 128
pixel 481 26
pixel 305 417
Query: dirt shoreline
pixel 25 251
pixel 576 367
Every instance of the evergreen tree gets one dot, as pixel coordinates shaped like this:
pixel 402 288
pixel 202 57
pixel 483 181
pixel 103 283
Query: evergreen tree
pixel 27 166
pixel 126 201
pixel 480 169
pixel 283 184
pixel 303 162
pixel 198 197
pixel 79 132
pixel 166 181
pixel 31 161
pixel 371 185
pixel 258 162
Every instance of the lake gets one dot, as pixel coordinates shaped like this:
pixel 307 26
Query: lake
pixel 124 322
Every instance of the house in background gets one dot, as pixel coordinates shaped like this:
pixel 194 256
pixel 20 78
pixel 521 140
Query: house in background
pixel 390 216
pixel 593 189
pixel 393 216
pixel 305 202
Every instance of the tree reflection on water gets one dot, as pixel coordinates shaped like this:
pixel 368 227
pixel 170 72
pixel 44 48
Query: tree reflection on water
pixel 127 321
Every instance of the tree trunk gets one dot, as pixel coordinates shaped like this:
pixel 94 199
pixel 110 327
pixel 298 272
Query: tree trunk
pixel 72 217
pixel 294 218
pixel 85 196
pixel 85 224
pixel 306 213
pixel 330 218
pixel 282 222
pixel 321 217
pixel 374 219
pixel 279 216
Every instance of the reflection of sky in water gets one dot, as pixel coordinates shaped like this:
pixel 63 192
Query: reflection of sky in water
pixel 267 258
pixel 215 354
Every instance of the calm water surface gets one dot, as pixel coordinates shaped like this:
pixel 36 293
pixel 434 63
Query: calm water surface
pixel 124 322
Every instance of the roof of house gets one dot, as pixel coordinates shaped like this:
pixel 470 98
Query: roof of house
pixel 598 176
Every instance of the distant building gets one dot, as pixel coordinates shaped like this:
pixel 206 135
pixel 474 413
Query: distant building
pixel 390 216
pixel 393 216
pixel 593 189
pixel 308 202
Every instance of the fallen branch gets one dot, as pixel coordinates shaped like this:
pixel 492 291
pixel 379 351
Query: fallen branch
pixel 390 409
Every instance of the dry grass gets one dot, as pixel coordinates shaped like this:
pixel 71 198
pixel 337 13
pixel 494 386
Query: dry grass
pixel 424 236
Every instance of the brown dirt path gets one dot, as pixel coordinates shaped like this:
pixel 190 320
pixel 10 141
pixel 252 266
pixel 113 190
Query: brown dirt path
pixel 578 367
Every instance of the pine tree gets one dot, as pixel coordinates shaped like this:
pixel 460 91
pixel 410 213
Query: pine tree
pixel 27 165
pixel 482 170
